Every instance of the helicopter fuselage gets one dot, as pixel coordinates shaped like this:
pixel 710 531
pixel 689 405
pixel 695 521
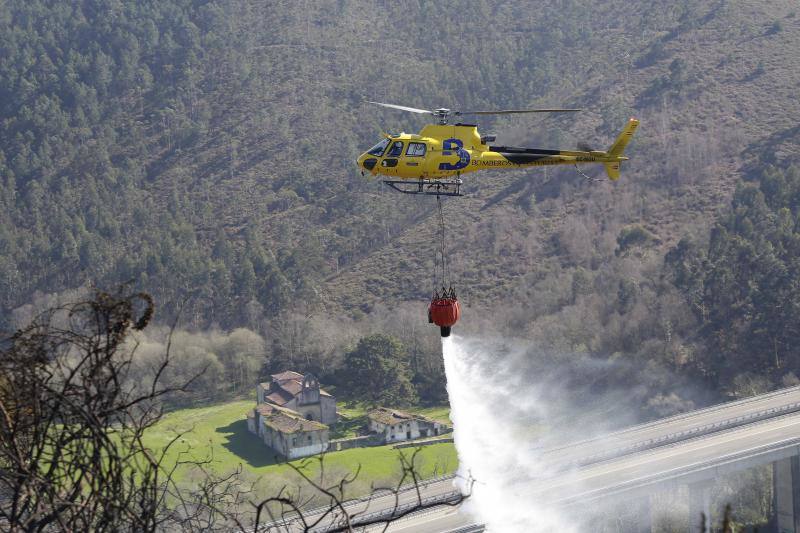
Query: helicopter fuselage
pixel 442 151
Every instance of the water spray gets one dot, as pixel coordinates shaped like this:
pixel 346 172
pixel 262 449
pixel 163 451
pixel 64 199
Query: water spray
pixel 496 415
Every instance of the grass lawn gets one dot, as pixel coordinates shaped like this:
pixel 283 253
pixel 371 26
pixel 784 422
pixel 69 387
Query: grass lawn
pixel 220 432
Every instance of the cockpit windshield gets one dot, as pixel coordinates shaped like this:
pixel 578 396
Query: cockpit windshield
pixel 379 148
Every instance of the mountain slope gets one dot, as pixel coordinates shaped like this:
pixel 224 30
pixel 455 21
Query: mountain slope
pixel 206 150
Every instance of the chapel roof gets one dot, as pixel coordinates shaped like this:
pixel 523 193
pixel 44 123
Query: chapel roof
pixel 286 386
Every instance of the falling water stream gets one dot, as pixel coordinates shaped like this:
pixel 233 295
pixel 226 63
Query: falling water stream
pixel 495 414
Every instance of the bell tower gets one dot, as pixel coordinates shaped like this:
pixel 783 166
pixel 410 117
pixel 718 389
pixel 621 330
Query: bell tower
pixel 310 391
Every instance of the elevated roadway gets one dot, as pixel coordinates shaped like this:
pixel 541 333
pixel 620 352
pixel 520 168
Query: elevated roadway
pixel 685 449
pixel 685 462
pixel 443 519
pixel 438 493
pixel 673 429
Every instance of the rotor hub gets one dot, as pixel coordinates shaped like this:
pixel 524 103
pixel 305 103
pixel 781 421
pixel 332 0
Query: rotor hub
pixel 441 114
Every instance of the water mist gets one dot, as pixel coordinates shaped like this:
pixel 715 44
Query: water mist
pixel 496 414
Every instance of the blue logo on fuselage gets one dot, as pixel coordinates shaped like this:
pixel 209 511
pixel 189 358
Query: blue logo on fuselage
pixel 454 145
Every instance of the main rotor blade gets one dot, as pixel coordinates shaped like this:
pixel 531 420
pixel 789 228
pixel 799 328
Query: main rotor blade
pixel 403 108
pixel 515 111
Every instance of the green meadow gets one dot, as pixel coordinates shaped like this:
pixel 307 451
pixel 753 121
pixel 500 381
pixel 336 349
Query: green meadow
pixel 219 434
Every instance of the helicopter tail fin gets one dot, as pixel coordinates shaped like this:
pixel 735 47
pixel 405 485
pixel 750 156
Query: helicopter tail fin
pixel 624 138
pixel 612 167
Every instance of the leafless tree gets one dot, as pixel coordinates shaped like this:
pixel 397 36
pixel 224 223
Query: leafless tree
pixel 71 425
pixel 72 450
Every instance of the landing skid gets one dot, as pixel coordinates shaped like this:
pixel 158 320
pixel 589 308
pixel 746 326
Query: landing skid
pixel 427 186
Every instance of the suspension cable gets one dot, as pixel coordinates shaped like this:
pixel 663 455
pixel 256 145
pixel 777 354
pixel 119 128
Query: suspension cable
pixel 442 252
pixel 435 292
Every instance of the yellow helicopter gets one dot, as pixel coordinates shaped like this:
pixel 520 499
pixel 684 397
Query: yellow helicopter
pixel 432 161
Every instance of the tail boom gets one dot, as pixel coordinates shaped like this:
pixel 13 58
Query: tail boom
pixel 512 157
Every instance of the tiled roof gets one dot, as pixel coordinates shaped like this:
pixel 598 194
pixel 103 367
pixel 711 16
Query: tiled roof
pixel 266 409
pixel 391 417
pixel 292 386
pixel 286 421
pixel 289 385
pixel 287 374
pixel 279 397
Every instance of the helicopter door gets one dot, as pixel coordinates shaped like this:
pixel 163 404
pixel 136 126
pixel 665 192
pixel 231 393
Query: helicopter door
pixel 391 158
pixel 414 161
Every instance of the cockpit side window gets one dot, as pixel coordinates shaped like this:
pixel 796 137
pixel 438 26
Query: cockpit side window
pixel 378 149
pixel 396 149
pixel 415 149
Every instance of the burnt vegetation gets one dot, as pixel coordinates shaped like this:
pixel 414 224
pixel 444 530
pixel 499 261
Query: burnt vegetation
pixel 72 455
pixel 71 451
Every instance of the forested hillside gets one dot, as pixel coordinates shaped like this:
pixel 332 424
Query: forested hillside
pixel 204 150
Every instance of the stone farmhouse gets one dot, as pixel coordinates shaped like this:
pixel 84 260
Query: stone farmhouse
pixel 286 432
pixel 292 414
pixel 395 426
